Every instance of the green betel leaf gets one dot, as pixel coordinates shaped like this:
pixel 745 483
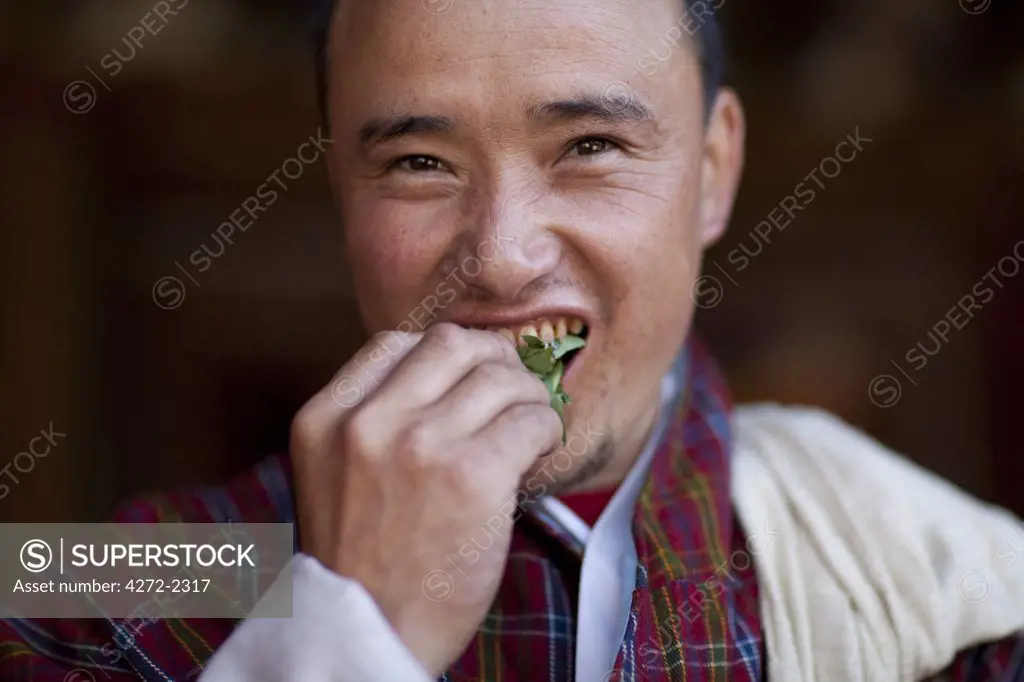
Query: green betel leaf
pixel 537 358
pixel 528 352
pixel 554 378
pixel 558 404
pixel 539 363
pixel 567 345
pixel 544 360
pixel 533 342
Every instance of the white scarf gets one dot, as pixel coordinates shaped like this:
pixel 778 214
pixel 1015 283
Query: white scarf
pixel 878 571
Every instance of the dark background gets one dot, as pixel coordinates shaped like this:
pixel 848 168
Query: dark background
pixel 96 206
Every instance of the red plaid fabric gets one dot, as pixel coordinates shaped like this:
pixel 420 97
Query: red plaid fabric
pixel 694 612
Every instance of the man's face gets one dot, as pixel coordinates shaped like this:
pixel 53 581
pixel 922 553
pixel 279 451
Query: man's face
pixel 510 162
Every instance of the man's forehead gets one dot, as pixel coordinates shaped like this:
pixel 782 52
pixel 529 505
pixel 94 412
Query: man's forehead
pixel 621 17
pixel 403 42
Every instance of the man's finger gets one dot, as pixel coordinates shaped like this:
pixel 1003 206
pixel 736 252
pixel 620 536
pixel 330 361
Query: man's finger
pixel 366 372
pixel 446 354
pixel 518 436
pixel 489 389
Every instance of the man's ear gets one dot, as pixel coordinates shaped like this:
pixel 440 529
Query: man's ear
pixel 722 166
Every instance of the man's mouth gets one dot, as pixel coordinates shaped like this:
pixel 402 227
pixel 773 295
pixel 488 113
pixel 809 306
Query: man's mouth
pixel 548 346
pixel 547 329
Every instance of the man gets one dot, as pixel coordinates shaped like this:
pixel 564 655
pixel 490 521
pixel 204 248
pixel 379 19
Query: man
pixel 515 168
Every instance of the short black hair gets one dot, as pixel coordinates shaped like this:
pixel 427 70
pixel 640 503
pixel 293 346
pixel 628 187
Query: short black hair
pixel 707 33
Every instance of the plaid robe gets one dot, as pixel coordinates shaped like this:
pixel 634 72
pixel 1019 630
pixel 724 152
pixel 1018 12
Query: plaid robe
pixel 694 613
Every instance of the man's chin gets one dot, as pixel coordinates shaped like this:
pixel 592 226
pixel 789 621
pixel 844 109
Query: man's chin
pixel 584 454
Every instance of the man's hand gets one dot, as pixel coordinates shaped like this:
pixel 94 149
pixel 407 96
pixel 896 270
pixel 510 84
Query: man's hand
pixel 402 473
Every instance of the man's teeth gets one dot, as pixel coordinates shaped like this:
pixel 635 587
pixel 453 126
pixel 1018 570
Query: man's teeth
pixel 545 329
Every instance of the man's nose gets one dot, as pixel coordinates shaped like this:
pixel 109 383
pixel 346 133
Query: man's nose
pixel 512 246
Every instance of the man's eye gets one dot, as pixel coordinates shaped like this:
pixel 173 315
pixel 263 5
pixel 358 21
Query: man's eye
pixel 420 164
pixel 590 146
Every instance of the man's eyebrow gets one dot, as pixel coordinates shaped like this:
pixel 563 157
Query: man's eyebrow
pixel 616 108
pixel 389 128
pixel 613 108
